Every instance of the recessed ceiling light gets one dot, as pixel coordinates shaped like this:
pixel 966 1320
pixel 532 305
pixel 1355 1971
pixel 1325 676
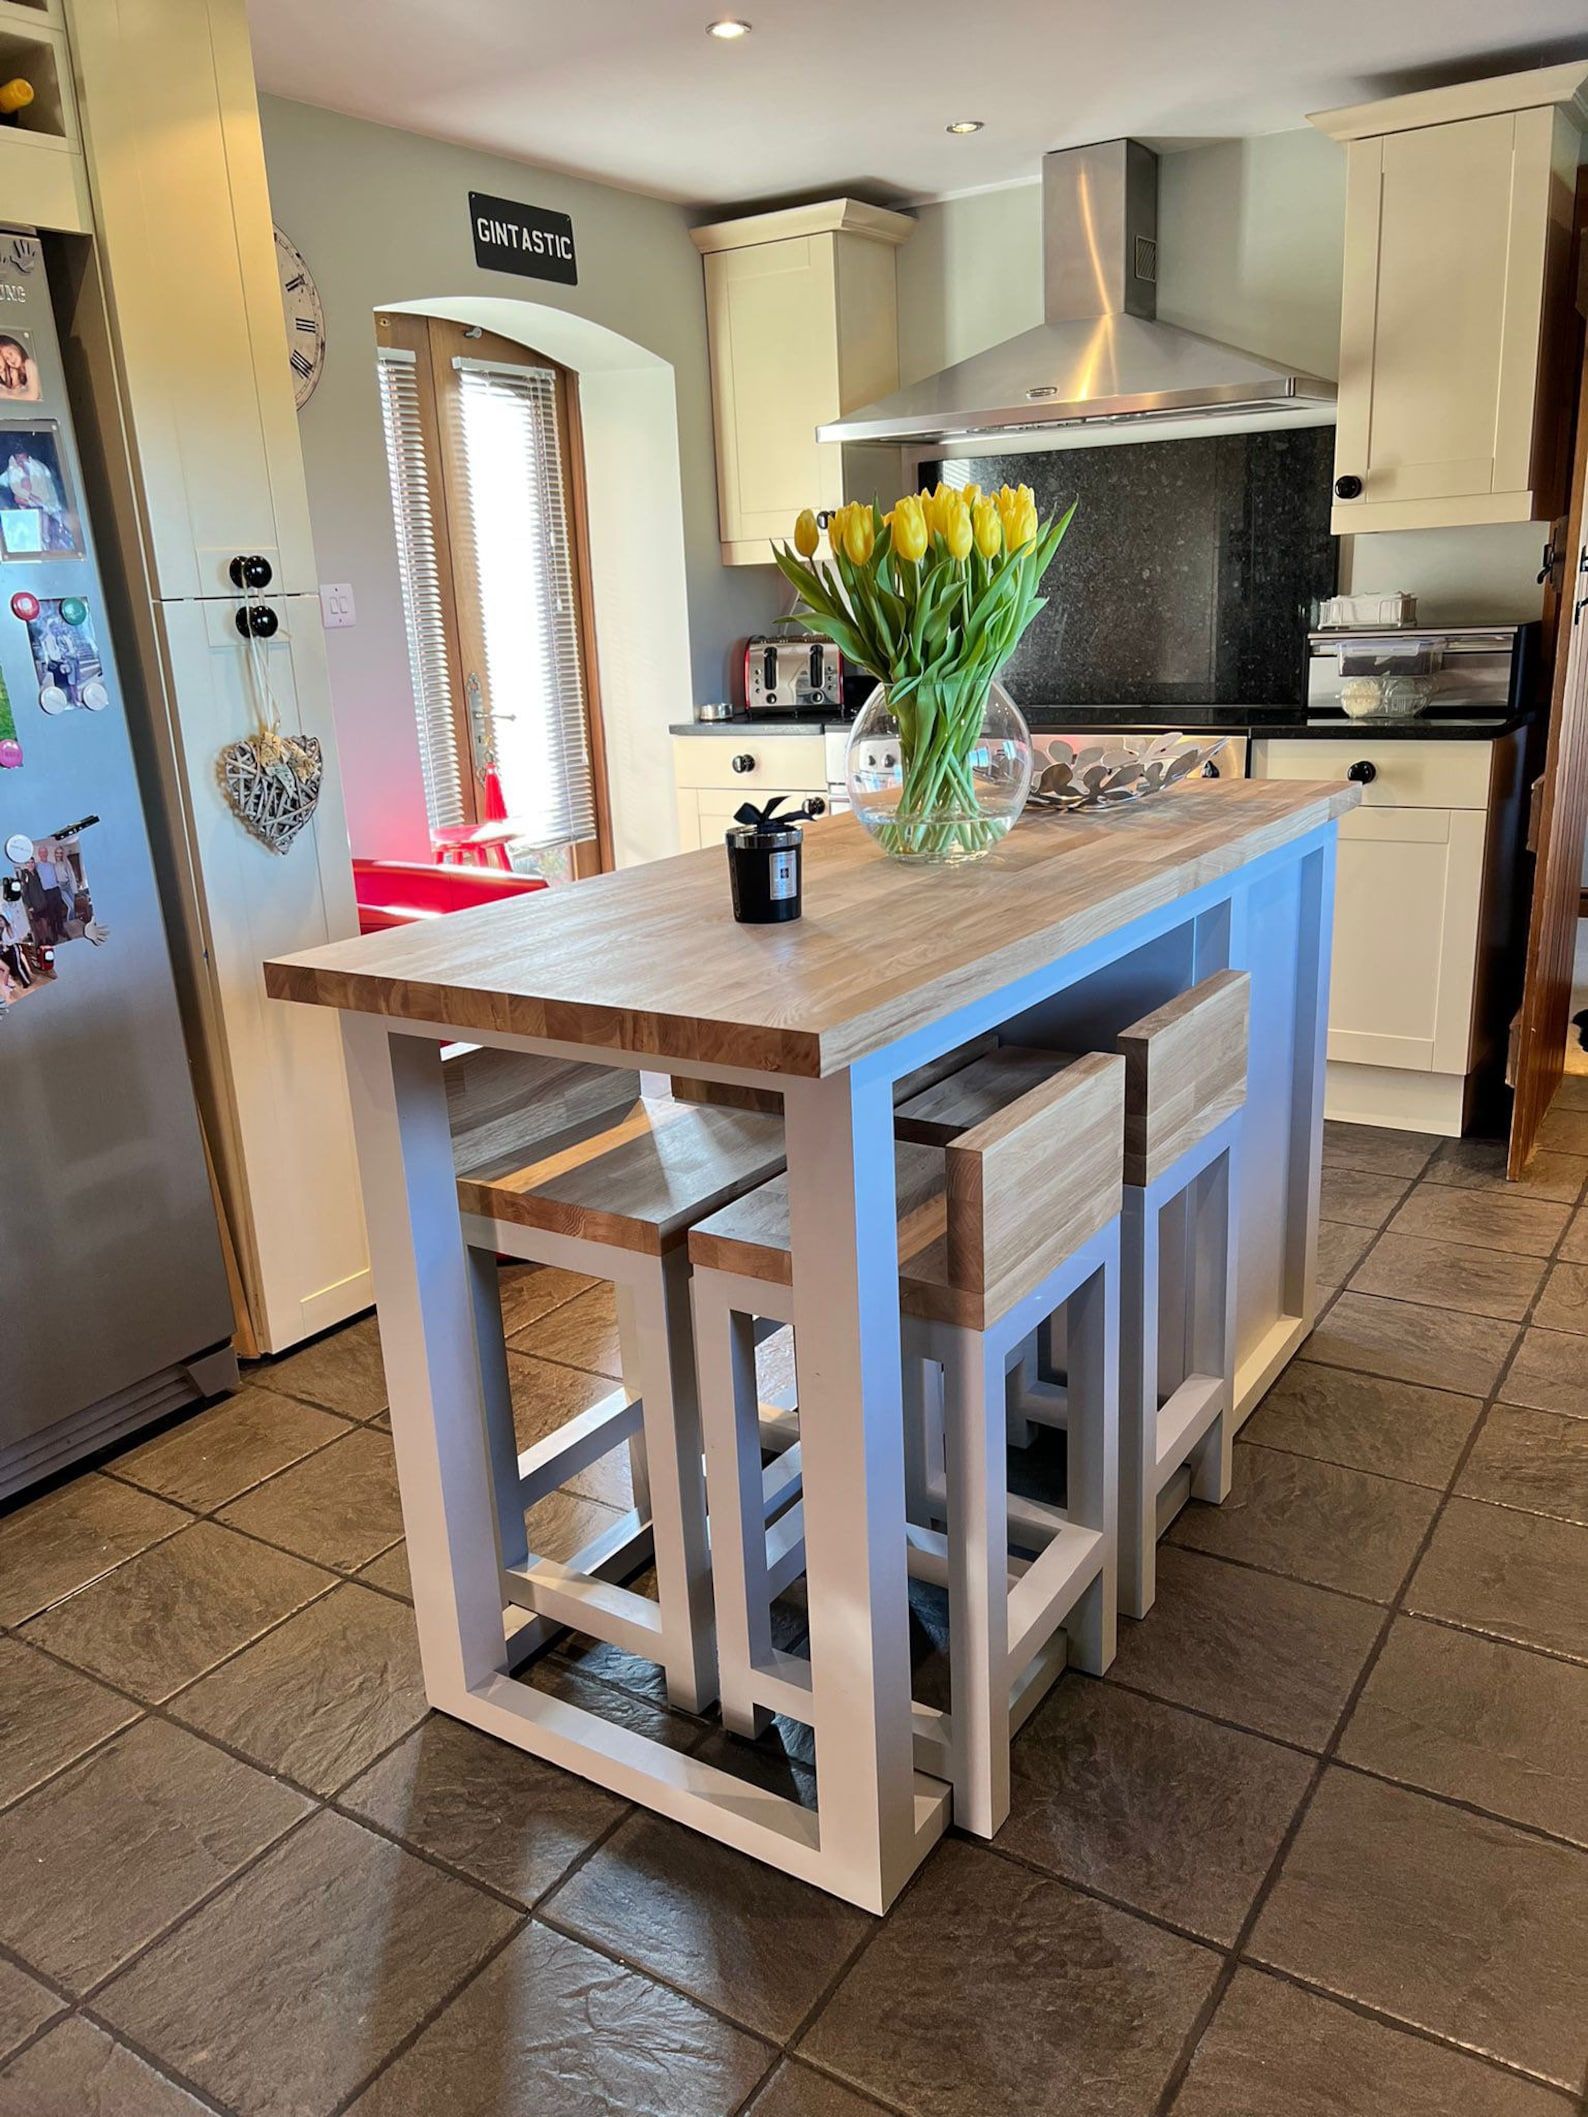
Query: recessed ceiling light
pixel 961 126
pixel 728 29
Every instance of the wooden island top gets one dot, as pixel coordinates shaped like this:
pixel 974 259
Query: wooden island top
pixel 649 960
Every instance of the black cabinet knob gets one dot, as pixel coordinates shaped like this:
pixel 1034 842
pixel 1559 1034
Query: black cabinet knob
pixel 258 620
pixel 816 805
pixel 744 762
pixel 1348 488
pixel 1210 770
pixel 250 571
pixel 1363 772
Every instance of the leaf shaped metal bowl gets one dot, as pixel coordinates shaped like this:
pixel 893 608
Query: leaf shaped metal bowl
pixel 1069 775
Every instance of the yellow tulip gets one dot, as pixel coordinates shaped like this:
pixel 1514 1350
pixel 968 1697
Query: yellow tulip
pixel 956 533
pixel 970 494
pixel 908 523
pixel 860 534
pixel 989 531
pixel 835 529
pixel 806 534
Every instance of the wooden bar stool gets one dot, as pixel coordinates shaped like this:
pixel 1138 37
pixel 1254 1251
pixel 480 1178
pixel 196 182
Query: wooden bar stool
pixel 1185 1087
pixel 1013 1219
pixel 613 1197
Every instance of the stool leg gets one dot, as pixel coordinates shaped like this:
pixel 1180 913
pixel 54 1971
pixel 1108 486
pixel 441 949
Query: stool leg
pixel 1092 1460
pixel 1211 1317
pixel 1138 1404
pixel 629 1359
pixel 730 1413
pixel 978 1545
pixel 666 1378
pixel 923 1438
pixel 500 1437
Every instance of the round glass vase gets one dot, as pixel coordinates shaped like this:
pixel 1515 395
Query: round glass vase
pixel 946 801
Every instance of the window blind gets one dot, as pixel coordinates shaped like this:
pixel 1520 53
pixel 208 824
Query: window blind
pixel 505 468
pixel 413 511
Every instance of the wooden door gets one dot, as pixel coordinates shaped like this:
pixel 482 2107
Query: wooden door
pixel 1560 818
pixel 1446 232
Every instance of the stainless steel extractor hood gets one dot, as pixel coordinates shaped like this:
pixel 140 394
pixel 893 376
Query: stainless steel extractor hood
pixel 1102 357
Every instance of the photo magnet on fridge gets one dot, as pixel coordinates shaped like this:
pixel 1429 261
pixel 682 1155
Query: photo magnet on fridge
pixel 66 656
pixel 37 516
pixel 19 371
pixel 44 903
pixel 10 748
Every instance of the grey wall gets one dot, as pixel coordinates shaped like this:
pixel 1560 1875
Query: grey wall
pixel 382 217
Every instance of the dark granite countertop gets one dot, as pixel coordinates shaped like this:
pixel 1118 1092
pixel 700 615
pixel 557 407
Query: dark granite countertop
pixel 1448 725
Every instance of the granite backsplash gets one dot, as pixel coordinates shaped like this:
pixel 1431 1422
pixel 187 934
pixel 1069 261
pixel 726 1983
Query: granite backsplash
pixel 1187 574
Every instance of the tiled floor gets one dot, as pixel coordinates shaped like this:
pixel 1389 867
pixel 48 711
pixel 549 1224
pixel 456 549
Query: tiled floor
pixel 1317 1848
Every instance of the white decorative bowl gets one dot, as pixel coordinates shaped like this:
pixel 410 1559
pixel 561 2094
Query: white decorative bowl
pixel 1070 775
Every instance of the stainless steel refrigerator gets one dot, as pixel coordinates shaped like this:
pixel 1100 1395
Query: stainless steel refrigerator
pixel 114 1307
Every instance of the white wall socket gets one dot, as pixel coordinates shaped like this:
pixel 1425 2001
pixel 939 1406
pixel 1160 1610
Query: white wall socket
pixel 336 604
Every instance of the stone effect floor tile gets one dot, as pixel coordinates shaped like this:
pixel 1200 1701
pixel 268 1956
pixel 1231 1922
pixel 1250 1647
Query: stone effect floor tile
pixel 1314 1521
pixel 558 1677
pixel 1465 1927
pixel 1514 1576
pixel 1377 1149
pixel 991 1988
pixel 531 1290
pixel 1277 1656
pixel 751 1942
pixel 79 2071
pixel 341 1372
pixel 1275 2051
pixel 500 1815
pixel 50 1715
pixel 1565 1129
pixel 1359 1198
pixel 1492 1724
pixel 1563 1305
pixel 800 2091
pixel 546 1396
pixel 553 2029
pixel 1550 1372
pixel 582 1333
pixel 177 1609
pixel 323 1695
pixel 1489 1220
pixel 1574 1248
pixel 1151 1806
pixel 210 1458
pixel 389 1571
pixel 1536 1460
pixel 353 1940
pixel 25 2006
pixel 1365 1422
pixel 1449 1275
pixel 102 1859
pixel 1479 1165
pixel 55 1545
pixel 1410 1343
pixel 339 1508
pixel 1340 1251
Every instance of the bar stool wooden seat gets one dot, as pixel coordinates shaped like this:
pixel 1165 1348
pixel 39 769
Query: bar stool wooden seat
pixel 1185 1086
pixel 1011 1220
pixel 613 1196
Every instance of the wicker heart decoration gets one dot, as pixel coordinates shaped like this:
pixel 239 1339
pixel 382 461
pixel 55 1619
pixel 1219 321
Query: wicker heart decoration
pixel 272 784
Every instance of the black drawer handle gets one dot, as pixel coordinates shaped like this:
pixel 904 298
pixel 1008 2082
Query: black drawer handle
pixel 1362 772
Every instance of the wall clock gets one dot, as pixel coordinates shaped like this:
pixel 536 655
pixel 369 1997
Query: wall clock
pixel 305 319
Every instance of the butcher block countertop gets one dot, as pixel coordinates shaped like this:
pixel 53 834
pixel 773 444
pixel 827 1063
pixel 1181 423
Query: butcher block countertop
pixel 650 961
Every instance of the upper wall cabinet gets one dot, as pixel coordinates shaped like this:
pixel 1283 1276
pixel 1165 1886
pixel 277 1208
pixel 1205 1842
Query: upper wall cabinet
pixel 1457 239
pixel 803 320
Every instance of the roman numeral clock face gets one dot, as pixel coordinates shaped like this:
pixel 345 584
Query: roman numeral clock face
pixel 305 319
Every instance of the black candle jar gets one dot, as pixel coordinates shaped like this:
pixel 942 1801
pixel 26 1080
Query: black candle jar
pixel 764 863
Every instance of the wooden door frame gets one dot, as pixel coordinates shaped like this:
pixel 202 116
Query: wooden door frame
pixel 1559 813
pixel 436 341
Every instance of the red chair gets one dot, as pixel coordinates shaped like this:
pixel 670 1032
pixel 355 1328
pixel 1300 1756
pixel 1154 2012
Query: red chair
pixel 396 892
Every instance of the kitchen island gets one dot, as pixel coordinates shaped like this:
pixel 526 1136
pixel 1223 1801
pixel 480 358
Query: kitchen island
pixel 1073 927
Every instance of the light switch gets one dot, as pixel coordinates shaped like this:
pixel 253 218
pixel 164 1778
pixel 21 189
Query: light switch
pixel 336 604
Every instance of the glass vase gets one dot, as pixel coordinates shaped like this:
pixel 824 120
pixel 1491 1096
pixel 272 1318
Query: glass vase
pixel 949 798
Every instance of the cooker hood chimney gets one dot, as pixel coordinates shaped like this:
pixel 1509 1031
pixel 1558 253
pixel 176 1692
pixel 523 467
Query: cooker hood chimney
pixel 1102 357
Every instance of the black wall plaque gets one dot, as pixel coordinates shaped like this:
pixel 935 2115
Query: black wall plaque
pixel 529 240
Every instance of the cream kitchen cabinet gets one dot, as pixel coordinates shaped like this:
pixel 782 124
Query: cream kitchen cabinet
pixel 716 768
pixel 1420 901
pixel 1457 236
pixel 802 317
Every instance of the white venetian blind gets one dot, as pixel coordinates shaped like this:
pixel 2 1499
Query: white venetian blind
pixel 505 469
pixel 413 512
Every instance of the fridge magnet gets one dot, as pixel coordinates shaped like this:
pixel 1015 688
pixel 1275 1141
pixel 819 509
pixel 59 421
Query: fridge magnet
pixel 66 657
pixel 19 371
pixel 270 781
pixel 10 748
pixel 37 519
pixel 45 902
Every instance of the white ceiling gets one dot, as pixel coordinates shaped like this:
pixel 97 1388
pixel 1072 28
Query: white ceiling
pixel 827 95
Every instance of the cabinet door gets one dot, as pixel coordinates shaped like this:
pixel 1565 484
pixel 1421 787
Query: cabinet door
pixel 1442 306
pixel 1406 906
pixel 772 313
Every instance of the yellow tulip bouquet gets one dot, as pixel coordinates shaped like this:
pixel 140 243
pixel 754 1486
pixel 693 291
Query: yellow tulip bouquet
pixel 930 598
